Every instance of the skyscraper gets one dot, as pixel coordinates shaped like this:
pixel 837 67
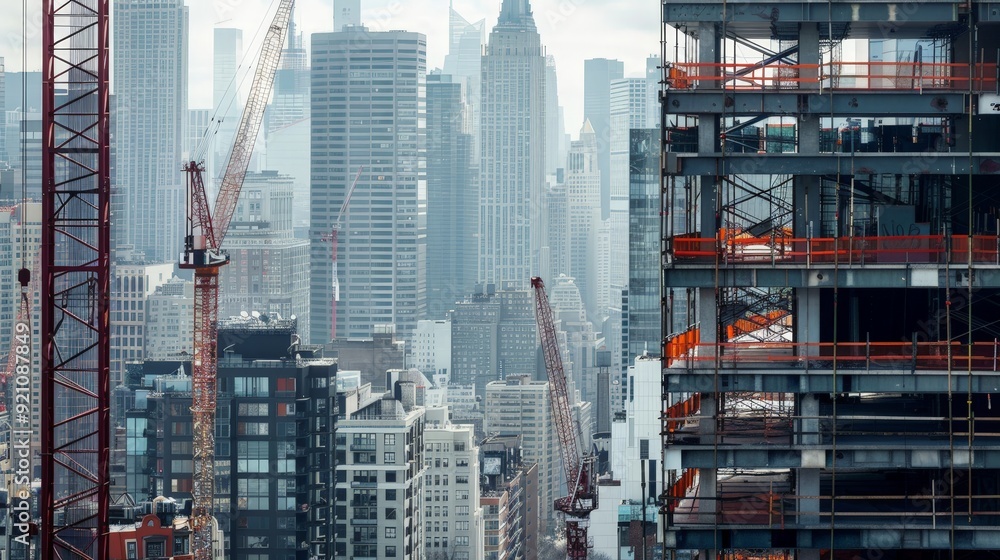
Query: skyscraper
pixel 645 317
pixel 628 110
pixel 368 109
pixel 227 53
pixel 554 156
pixel 597 76
pixel 150 112
pixel 512 173
pixel 583 217
pixel 452 198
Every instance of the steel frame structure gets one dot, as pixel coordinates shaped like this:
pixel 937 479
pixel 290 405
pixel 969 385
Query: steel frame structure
pixel 75 349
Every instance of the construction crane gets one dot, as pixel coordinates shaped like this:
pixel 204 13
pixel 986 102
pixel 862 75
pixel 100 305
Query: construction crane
pixel 579 468
pixel 205 232
pixel 333 238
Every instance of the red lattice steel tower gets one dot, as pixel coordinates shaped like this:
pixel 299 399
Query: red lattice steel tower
pixel 75 283
pixel 205 232
pixel 579 468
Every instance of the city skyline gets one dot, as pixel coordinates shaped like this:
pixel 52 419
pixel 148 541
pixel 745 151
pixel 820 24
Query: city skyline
pixel 567 27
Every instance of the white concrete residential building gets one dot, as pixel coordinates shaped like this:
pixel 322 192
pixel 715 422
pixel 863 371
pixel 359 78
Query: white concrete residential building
pixel 453 519
pixel 380 469
pixel 431 353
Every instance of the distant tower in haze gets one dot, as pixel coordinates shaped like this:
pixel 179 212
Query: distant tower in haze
pixel 597 76
pixel 150 115
pixel 452 197
pixel 464 62
pixel 346 12
pixel 512 173
pixel 583 216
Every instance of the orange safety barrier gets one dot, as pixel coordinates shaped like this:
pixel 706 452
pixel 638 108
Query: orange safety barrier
pixel 754 322
pixel 680 344
pixel 929 249
pixel 679 489
pixel 682 410
pixel 862 75
pixel 980 356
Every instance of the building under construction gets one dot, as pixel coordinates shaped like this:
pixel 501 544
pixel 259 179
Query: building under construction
pixel 838 165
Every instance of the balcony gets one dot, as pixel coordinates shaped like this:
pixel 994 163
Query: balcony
pixel 362 447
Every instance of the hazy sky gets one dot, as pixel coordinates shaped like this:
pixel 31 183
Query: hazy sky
pixel 571 30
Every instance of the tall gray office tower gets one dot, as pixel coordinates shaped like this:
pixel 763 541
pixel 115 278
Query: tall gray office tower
pixel 512 172
pixel 368 109
pixel 150 113
pixel 583 218
pixel 452 198
pixel 346 12
pixel 627 104
pixel 597 76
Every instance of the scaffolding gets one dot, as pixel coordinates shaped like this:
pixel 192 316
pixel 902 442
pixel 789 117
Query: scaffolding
pixel 830 207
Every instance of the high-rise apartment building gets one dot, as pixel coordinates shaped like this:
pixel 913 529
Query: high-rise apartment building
pixel 273 446
pixel 381 488
pixel 520 406
pixel 512 170
pixel 597 76
pixel 368 110
pixel 452 197
pixel 493 335
pixel 269 268
pixel 453 520
pixel 150 114
pixel 583 217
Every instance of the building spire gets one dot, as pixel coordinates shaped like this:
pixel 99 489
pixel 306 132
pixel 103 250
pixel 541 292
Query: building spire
pixel 516 12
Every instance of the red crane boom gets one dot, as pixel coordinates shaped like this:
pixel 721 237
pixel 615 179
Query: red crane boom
pixel 203 252
pixel 579 468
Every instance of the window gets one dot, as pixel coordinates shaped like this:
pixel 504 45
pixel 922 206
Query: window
pixel 252 409
pixel 252 428
pixel 390 532
pixel 461 479
pixel 131 550
pixel 286 384
pixel 389 458
pixel 390 552
pixel 389 439
pixel 155 549
pixel 251 387
pixel 390 495
pixel 461 510
pixel 462 526
pixel 390 476
pixel 390 513
pixel 182 466
pixel 462 541
pixel 286 409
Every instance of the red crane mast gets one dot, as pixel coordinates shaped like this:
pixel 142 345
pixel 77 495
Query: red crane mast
pixel 334 239
pixel 578 467
pixel 75 284
pixel 205 232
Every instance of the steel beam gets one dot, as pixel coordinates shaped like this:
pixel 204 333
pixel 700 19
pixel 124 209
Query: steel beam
pixel 858 19
pixel 898 454
pixel 865 535
pixel 858 275
pixel 839 103
pixel 818 379
pixel 929 163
